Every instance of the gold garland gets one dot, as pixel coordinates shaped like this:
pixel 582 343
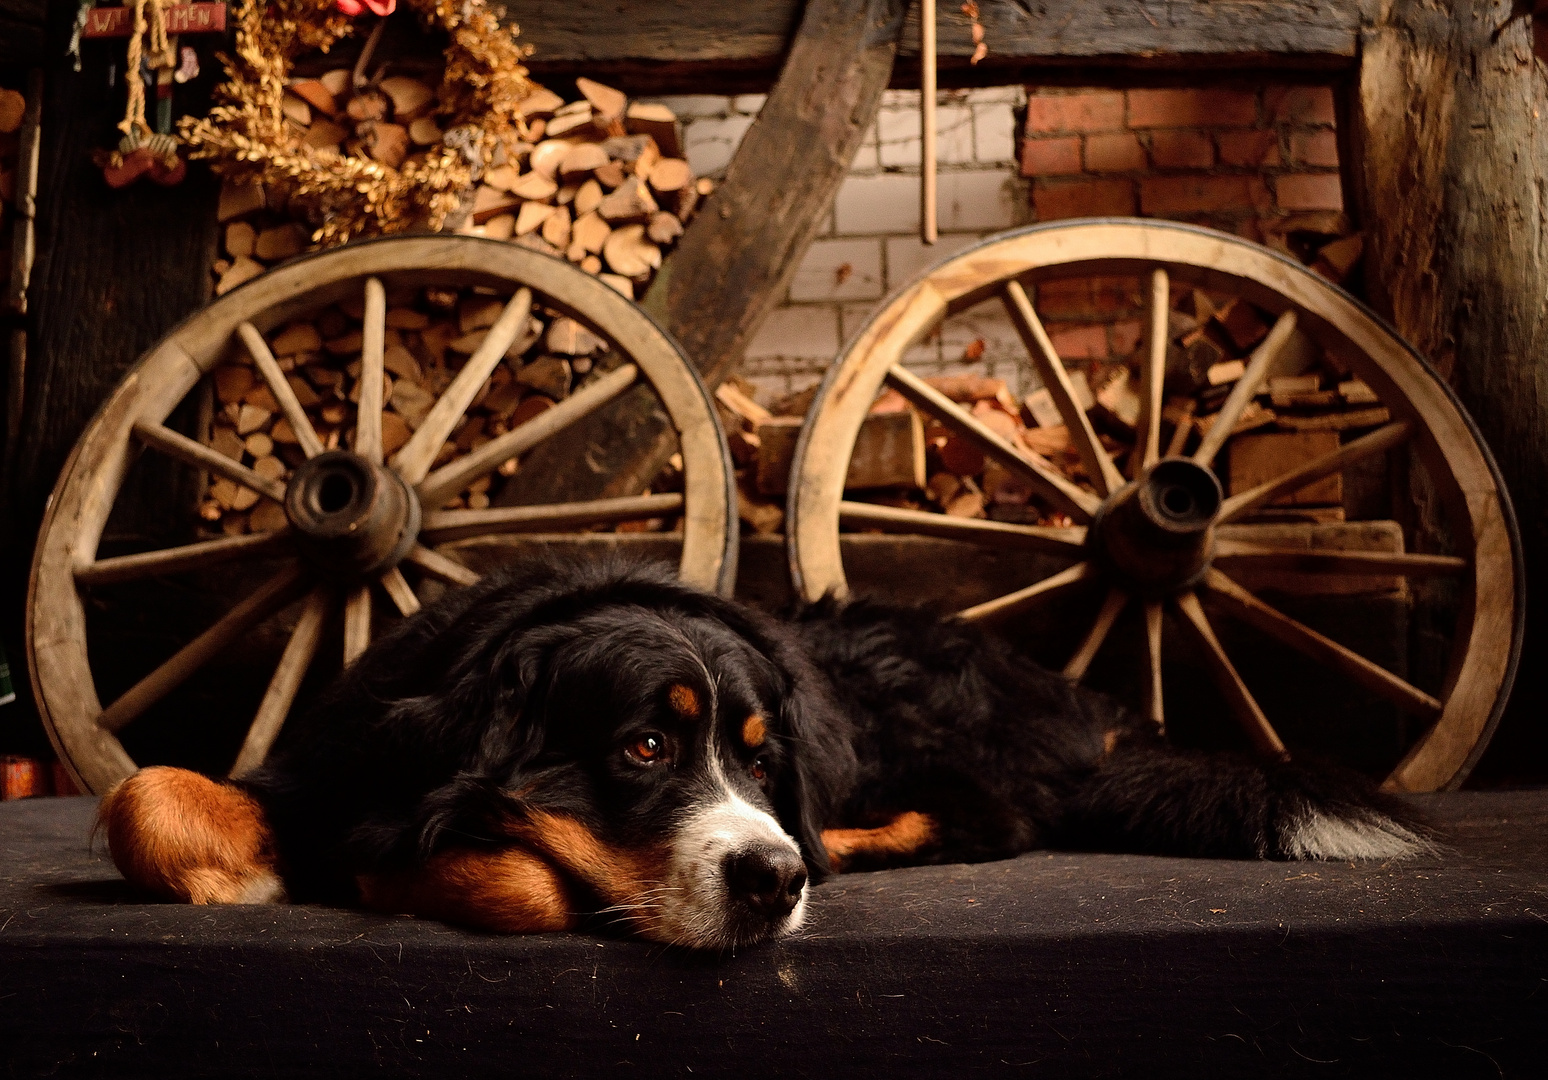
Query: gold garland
pixel 349 196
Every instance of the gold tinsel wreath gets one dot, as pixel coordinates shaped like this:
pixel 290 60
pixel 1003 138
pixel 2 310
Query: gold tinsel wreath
pixel 248 139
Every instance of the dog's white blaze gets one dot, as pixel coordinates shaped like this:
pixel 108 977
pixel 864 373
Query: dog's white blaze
pixel 695 907
pixel 1317 835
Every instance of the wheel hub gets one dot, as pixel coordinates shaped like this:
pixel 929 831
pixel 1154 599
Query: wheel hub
pixel 1157 534
pixel 352 517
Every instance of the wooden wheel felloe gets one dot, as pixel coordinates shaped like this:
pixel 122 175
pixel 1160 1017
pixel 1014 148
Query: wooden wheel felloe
pixel 347 516
pixel 1148 531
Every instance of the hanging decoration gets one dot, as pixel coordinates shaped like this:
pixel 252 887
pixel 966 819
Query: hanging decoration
pixel 372 183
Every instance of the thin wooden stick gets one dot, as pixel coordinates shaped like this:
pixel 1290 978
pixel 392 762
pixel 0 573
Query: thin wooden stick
pixel 1247 386
pixel 285 682
pixel 448 480
pixel 179 560
pixel 1242 555
pixel 414 460
pixel 439 566
pixel 1155 700
pixel 368 417
pixel 1247 607
pixel 1076 502
pixel 1243 705
pixel 1022 599
pixel 284 394
pixel 1112 606
pixel 1147 444
pixel 1104 475
pixel 1359 449
pixel 1007 534
pixel 443 525
pixel 274 594
pixel 398 590
pixel 357 623
pixel 200 456
pixel 927 218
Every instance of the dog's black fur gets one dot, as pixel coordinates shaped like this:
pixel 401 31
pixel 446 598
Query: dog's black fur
pixel 528 691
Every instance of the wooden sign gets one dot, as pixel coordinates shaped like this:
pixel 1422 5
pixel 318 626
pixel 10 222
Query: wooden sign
pixel 181 19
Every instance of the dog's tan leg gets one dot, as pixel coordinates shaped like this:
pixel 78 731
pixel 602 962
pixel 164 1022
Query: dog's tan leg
pixel 508 890
pixel 893 844
pixel 186 837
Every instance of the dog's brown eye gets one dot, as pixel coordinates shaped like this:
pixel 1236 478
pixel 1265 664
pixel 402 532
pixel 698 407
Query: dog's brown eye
pixel 757 770
pixel 648 748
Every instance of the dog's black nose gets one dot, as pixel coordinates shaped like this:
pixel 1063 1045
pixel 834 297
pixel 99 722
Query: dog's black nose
pixel 768 880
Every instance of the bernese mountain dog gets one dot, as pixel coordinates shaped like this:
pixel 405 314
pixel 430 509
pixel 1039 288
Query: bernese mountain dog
pixel 566 746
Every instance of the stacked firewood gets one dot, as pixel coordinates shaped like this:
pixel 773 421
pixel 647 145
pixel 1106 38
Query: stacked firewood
pixel 601 181
pixel 430 333
pixel 904 458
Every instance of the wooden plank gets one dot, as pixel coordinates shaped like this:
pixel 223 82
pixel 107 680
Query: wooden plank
pixel 680 46
pixel 22 32
pixel 741 250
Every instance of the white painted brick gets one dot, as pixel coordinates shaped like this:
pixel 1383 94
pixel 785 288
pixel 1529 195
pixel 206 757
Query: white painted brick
pixel 877 204
pixel 953 135
pixel 897 131
pixel 865 159
pixel 808 331
pixel 712 143
pixel 907 256
pixel 767 389
pixel 839 270
pixel 852 318
pixel 980 199
pixel 749 104
pixel 691 106
pixel 1013 95
pixel 987 322
pixel 900 99
pixel 995 133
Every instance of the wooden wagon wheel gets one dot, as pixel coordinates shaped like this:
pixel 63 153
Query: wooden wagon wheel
pixel 1154 531
pixel 352 523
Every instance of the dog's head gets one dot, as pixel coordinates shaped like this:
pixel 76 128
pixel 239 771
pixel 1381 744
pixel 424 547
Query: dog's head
pixel 672 754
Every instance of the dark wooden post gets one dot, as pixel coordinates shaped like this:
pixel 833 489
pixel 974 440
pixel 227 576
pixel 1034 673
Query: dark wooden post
pixel 1452 134
pixel 740 252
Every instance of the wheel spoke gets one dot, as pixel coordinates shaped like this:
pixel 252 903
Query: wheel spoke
pixel 284 683
pixel 182 559
pixel 448 480
pixel 273 595
pixel 284 395
pixel 1179 439
pixel 1243 705
pixel 1032 595
pixel 1246 387
pixel 1105 476
pixel 1253 557
pixel 200 456
pixel 1066 496
pixel 443 525
pixel 416 457
pixel 1155 702
pixel 1112 607
pixel 1247 607
pixel 1147 443
pixel 1057 541
pixel 357 623
pixel 439 566
pixel 373 345
pixel 398 590
pixel 1376 442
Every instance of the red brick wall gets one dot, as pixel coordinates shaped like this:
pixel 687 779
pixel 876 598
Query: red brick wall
pixel 1256 161
pixel 1236 159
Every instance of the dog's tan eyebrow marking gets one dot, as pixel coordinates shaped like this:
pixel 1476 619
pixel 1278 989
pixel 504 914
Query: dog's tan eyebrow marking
pixel 1109 741
pixel 684 700
pixel 754 731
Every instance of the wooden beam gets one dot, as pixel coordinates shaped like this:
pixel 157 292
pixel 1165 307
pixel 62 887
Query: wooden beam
pixel 21 32
pixel 686 47
pixel 740 251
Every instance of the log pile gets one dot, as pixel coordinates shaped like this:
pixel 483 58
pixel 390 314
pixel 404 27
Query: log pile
pixel 1307 406
pixel 13 107
pixel 430 333
pixel 600 181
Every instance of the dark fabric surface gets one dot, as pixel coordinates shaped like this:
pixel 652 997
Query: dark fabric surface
pixel 1050 964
